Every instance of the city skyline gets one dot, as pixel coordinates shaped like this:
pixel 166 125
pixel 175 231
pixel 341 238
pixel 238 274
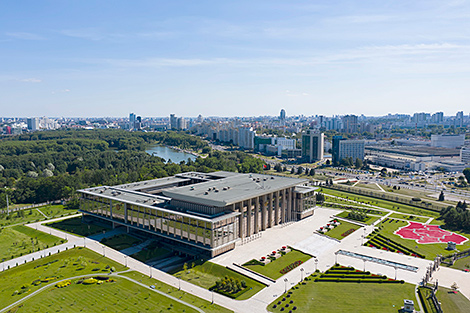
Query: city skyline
pixel 233 59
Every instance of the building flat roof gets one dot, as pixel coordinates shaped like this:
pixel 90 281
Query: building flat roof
pixel 232 189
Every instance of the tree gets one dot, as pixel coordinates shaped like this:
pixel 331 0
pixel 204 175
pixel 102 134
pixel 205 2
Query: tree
pixel 185 267
pixel 320 198
pixel 292 170
pixel 466 173
pixel 441 196
pixel 300 170
pixel 312 172
pixel 358 163
pixel 328 162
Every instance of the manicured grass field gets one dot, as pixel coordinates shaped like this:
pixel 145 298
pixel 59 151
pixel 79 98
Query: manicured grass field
pixel 403 208
pixel 461 264
pixel 33 215
pixel 76 227
pixel 74 262
pixel 428 250
pixel 345 297
pixel 205 274
pixel 412 218
pixel 121 241
pixel 206 306
pixel 368 220
pixel 119 296
pixel 273 268
pixel 150 252
pixel 450 302
pixel 343 227
pixel 19 240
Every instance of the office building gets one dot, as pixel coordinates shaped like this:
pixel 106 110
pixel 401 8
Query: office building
pixel 33 123
pixel 350 124
pixel 282 115
pixel 465 155
pixel 448 141
pixel 312 146
pixel 343 148
pixel 173 122
pixel 201 214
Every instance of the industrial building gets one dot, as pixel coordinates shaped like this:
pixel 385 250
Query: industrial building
pixel 202 214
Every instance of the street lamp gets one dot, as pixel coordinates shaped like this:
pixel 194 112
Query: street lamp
pixel 84 242
pixel 212 296
pixel 179 287
pixel 364 265
pixel 396 268
pixel 150 271
pixel 336 257
pixel 103 250
pixel 125 259
pixel 316 264
pixel 301 274
pixel 285 285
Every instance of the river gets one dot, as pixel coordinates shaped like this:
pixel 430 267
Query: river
pixel 168 153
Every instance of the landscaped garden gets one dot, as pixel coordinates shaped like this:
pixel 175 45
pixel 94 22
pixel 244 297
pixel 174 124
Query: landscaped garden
pixel 384 237
pixel 414 218
pixel 207 274
pixel 27 278
pixel 278 262
pixel 34 214
pixel 206 306
pixel 151 252
pixel 117 295
pixel 121 241
pixel 339 290
pixel 340 231
pixel 450 301
pixel 18 240
pixel 76 227
pixel 358 216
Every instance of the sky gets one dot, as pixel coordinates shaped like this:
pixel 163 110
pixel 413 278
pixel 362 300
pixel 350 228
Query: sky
pixel 233 58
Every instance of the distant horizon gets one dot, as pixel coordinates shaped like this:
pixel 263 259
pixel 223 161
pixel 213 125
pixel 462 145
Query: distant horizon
pixel 243 58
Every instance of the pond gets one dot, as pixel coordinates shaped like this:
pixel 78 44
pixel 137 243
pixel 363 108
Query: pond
pixel 170 154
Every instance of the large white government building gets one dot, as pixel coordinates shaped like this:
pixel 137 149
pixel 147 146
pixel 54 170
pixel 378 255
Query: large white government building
pixel 202 214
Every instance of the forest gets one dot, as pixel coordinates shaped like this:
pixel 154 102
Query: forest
pixel 52 165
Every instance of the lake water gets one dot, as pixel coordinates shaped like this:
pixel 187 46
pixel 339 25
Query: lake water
pixel 168 153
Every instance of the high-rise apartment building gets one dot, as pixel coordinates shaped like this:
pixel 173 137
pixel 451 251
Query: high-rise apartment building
pixel 343 148
pixel 438 118
pixel 282 115
pixel 173 122
pixel 350 124
pixel 33 123
pixel 312 146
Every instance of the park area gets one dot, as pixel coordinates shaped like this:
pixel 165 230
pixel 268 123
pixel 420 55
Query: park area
pixel 35 214
pixel 343 296
pixel 27 278
pixel 75 227
pixel 386 237
pixel 206 274
pixel 368 219
pixel 19 240
pixel 280 266
pixel 343 230
pixel 450 301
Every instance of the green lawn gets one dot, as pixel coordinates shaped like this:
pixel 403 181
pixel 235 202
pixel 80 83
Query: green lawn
pixel 73 262
pixel 76 227
pixel 205 274
pixel 460 264
pixel 343 227
pixel 273 268
pixel 403 208
pixel 151 252
pixel 411 218
pixel 33 215
pixel 121 242
pixel 428 250
pixel 345 297
pixel 119 296
pixel 369 219
pixel 19 240
pixel 206 306
pixel 450 302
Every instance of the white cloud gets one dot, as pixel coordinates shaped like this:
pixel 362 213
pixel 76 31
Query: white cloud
pixel 30 80
pixel 24 36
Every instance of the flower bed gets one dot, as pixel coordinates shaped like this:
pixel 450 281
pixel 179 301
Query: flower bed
pixel 290 267
pixel 348 232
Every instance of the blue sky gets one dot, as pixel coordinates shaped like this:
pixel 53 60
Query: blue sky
pixel 233 58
